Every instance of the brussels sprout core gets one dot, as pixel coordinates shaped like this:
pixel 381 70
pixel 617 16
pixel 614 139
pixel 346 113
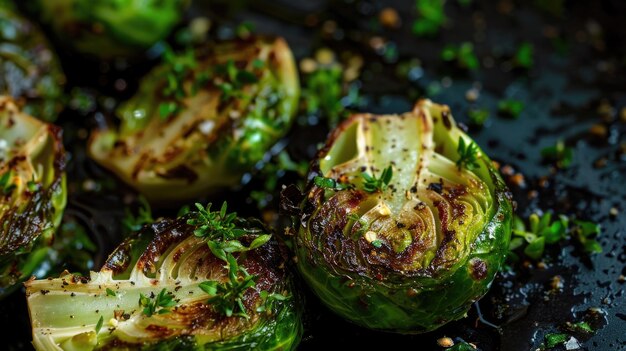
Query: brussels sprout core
pixel 164 289
pixel 202 119
pixel 32 193
pixel 415 251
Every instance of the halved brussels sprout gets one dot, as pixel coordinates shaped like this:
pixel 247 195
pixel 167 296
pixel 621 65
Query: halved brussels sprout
pixel 202 119
pixel 29 68
pixel 405 223
pixel 111 28
pixel 32 194
pixel 166 289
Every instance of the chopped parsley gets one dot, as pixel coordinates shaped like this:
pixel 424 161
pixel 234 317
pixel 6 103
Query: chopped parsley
pixel 110 292
pixel 468 155
pixel 372 184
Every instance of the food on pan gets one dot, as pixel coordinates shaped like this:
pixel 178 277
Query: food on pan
pixel 32 194
pixel 405 221
pixel 29 69
pixel 202 119
pixel 205 281
pixel 109 29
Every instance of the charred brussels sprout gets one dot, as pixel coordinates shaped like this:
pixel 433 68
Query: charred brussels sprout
pixel 405 223
pixel 29 69
pixel 32 193
pixel 166 289
pixel 111 28
pixel 202 119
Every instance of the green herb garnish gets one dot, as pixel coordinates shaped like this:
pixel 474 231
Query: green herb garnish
pixel 110 292
pixel 554 339
pixel 478 117
pixel 510 108
pixel 543 231
pixel 559 153
pixel 228 297
pixel 377 243
pixel 5 183
pixel 468 155
pixel 584 232
pixel 144 216
pixel 268 300
pixel 99 324
pixel 328 183
pixel 524 55
pixel 431 17
pixel 158 305
pixel 462 54
pixel 372 184
pixel 322 93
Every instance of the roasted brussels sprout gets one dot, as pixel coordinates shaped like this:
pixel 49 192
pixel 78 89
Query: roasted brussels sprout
pixel 202 119
pixel 111 28
pixel 405 222
pixel 181 284
pixel 29 69
pixel 32 194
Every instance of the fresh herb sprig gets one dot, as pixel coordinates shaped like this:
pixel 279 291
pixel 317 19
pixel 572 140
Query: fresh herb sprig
pixel 221 232
pixel 134 223
pixel 160 304
pixel 468 155
pixel 227 297
pixel 373 184
pixel 222 235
